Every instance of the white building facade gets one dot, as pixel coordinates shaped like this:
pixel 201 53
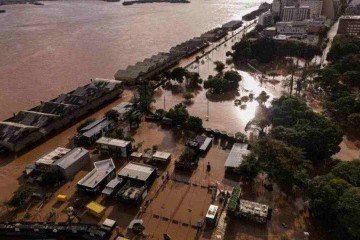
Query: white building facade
pixel 295 13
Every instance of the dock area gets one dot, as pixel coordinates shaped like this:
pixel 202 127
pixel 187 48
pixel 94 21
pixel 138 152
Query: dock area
pixel 29 126
pixel 151 67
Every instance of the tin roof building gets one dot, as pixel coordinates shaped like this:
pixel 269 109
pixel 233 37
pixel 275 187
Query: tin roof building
pixel 124 109
pixel 137 180
pixel 236 156
pixel 67 162
pixel 138 172
pixel 29 126
pixel 112 186
pixel 103 172
pixel 159 156
pixel 72 162
pixel 112 146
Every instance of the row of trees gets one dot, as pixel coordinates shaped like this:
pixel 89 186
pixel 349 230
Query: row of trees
pixel 265 50
pixel 297 134
pixel 295 123
pixel 299 139
pixel 341 82
pixel 335 200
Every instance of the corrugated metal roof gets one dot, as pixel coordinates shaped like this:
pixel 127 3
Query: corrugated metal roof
pixel 236 155
pixel 161 155
pixel 136 171
pixel 102 170
pixel 113 142
pixel 73 156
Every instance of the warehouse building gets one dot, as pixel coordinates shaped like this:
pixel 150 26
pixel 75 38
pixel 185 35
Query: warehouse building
pixel 30 126
pixel 72 162
pixel 114 147
pixel 88 135
pixel 162 157
pixel 137 180
pixel 65 161
pixel 236 156
pixel 200 143
pixel 124 109
pixel 95 180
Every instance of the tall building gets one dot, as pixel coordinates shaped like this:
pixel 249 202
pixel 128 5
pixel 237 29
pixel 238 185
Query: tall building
pixel 276 7
pixel 349 25
pixel 316 7
pixel 353 10
pixel 295 13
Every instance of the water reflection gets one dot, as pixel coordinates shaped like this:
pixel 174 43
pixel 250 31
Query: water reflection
pixel 223 113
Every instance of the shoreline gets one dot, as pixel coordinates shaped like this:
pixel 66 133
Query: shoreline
pixel 14 124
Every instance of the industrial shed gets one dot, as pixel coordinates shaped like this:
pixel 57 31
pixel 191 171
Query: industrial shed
pixel 138 173
pixel 114 147
pixel 159 156
pixel 67 162
pixel 103 172
pixel 236 156
pixel 137 180
pixel 124 109
pixel 72 162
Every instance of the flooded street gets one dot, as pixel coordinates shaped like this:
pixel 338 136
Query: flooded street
pixel 54 48
pixel 223 114
pixel 51 49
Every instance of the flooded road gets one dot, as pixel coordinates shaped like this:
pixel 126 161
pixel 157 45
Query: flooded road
pixel 222 113
pixel 47 50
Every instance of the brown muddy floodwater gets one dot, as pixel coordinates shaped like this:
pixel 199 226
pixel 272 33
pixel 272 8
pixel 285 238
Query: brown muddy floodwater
pixel 50 49
pixel 222 112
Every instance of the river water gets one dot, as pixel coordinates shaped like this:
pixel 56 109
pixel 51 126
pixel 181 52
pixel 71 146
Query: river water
pixel 50 49
pixel 47 50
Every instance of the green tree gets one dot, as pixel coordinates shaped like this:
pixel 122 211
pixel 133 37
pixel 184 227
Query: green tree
pixel 194 124
pixel 354 122
pixel 295 123
pixel 250 167
pixel 335 200
pixel 146 97
pixel 233 78
pixel 262 98
pixel 178 74
pixel 112 114
pixel 351 79
pixel 178 114
pixel 187 155
pixel 282 162
pixel 328 78
pixel 194 80
pixel 219 66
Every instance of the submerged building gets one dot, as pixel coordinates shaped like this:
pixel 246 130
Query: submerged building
pixel 138 178
pixel 89 134
pixel 29 126
pixel 62 160
pixel 94 181
pixel 114 147
pixel 236 156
